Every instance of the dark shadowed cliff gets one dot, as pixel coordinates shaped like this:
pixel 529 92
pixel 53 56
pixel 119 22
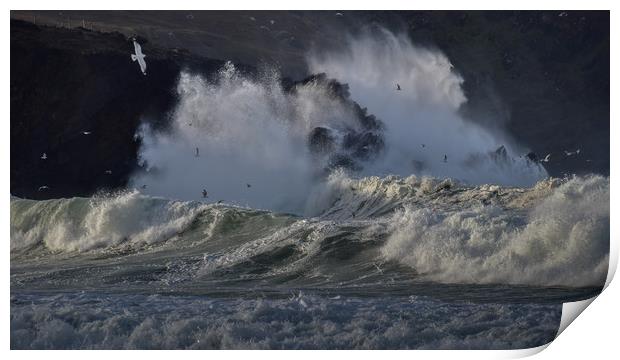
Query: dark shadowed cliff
pixel 77 97
pixel 541 76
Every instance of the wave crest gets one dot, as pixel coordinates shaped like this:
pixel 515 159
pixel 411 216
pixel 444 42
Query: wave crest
pixel 563 240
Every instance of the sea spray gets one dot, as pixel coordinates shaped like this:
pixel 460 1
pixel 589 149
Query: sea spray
pixel 562 240
pixel 251 141
pixel 365 230
pixel 425 133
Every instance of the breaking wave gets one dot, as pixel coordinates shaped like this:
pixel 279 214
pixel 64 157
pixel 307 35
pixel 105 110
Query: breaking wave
pixel 365 230
pixel 261 141
pixel 563 240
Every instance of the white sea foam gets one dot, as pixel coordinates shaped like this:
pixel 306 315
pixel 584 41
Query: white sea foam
pixel 564 240
pixel 422 120
pixel 88 321
pixel 555 233
pixel 249 130
pixel 128 218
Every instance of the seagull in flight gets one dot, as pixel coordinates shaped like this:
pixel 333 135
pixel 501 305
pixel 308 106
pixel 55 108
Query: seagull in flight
pixel 109 172
pixel 571 153
pixel 546 159
pixel 44 187
pixel 139 56
pixel 86 132
pixel 378 268
pixel 339 14
pixel 44 156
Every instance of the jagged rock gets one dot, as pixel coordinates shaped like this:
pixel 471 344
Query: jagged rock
pixel 363 146
pixel 321 141
pixel 343 161
pixel 532 156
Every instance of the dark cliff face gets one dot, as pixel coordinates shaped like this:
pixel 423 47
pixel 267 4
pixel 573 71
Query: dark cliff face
pixel 77 97
pixel 543 76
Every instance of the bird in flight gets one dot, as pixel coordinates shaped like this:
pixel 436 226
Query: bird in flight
pixel 44 187
pixel 397 87
pixel 44 156
pixel 547 158
pixel 86 132
pixel 571 153
pixel 139 56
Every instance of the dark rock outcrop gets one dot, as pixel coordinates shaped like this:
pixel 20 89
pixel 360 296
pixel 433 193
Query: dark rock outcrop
pixel 77 97
pixel 321 141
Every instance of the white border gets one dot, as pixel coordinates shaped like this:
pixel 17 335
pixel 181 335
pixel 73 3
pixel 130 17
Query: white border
pixel 592 334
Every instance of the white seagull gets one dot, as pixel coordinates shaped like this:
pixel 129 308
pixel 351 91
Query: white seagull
pixel 571 153
pixel 86 132
pixel 378 268
pixel 108 172
pixel 44 187
pixel 44 156
pixel 546 159
pixel 139 56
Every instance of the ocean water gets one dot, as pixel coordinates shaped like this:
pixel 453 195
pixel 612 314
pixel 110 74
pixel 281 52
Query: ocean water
pixel 384 263
pixel 301 254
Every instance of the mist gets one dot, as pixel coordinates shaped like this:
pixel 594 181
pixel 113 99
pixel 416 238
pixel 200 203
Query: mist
pixel 251 138
pixel 252 134
pixel 422 120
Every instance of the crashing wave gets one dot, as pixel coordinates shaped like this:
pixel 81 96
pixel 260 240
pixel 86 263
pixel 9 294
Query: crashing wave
pixel 555 233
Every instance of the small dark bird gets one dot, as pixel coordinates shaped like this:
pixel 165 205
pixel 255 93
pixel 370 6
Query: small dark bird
pixel 445 158
pixel 423 145
pixel 397 87
pixel 144 186
pixel 220 201
pixel 204 193
pixel 248 185
pixel 197 152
